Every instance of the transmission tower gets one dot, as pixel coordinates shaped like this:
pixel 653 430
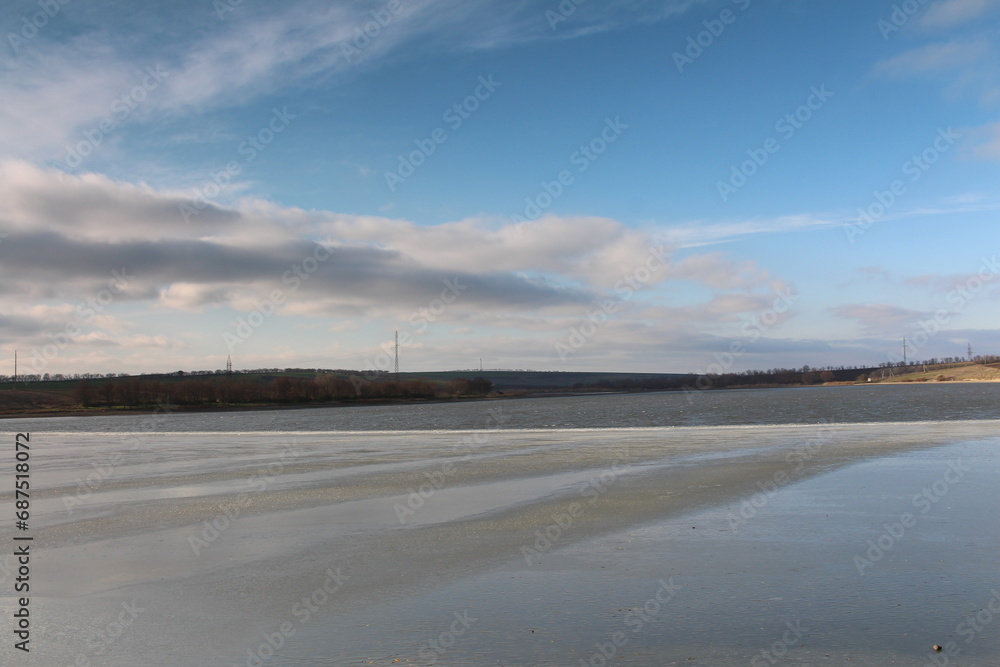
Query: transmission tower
pixel 397 356
pixel 970 351
pixel 229 365
pixel 904 350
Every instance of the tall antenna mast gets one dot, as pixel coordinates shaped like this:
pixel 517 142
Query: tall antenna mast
pixel 397 356
pixel 970 350
pixel 904 350
pixel 15 369
pixel 229 365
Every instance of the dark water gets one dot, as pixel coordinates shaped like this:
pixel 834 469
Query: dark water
pixel 807 405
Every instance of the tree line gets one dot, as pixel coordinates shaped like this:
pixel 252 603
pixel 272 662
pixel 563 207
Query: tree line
pixel 752 378
pixel 774 377
pixel 137 392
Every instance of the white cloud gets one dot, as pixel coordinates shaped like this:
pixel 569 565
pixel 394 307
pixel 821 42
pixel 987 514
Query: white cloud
pixel 718 271
pixel 346 325
pixel 66 235
pixel 986 142
pixel 54 91
pixel 951 13
pixel 932 59
pixel 52 94
pixel 879 317
pixel 80 228
pixel 698 233
pixel 186 296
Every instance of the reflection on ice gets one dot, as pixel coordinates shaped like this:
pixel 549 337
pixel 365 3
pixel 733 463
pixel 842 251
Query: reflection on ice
pixel 219 535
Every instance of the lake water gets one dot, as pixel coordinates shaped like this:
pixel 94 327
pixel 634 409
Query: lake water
pixel 876 403
pixel 711 528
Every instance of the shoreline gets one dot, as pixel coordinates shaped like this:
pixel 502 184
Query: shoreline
pixel 201 409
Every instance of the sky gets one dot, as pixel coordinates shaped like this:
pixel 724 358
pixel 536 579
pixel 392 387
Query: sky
pixel 585 185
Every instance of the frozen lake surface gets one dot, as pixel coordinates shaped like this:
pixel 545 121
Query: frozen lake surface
pixel 818 524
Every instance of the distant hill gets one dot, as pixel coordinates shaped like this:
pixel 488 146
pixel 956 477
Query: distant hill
pixel 303 386
pixel 296 386
pixel 545 380
pixel 14 402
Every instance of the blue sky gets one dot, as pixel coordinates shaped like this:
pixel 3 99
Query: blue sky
pixel 623 185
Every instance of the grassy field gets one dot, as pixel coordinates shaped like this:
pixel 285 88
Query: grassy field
pixel 952 373
pixel 35 402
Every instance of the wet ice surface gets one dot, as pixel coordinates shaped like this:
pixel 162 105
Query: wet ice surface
pixel 778 583
pixel 203 595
